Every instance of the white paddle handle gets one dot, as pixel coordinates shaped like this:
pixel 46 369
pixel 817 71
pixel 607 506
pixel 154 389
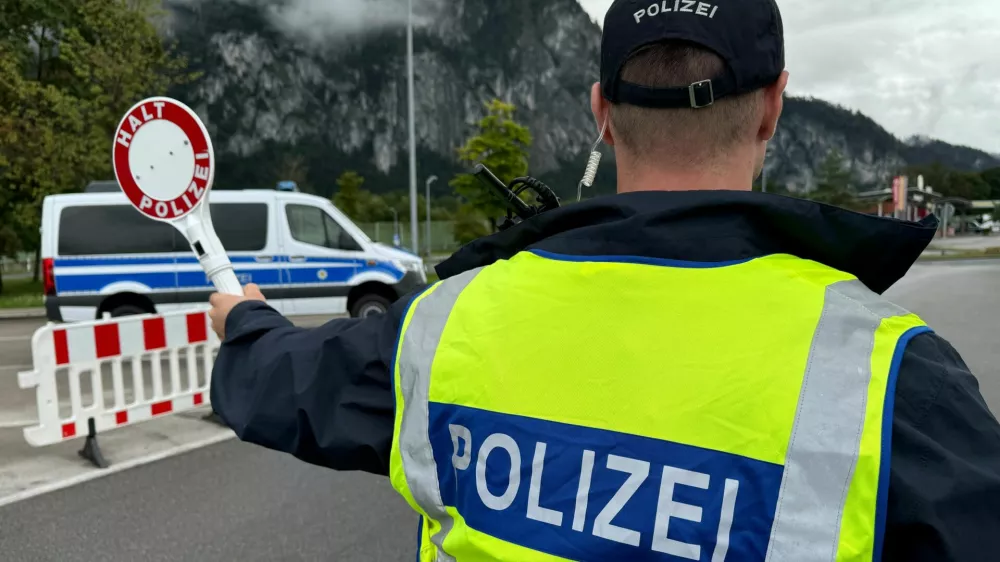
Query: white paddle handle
pixel 212 255
pixel 225 282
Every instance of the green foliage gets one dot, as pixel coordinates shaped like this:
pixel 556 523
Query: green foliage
pixel 502 144
pixel 966 185
pixel 833 174
pixel 992 179
pixel 364 206
pixel 351 199
pixel 68 72
pixel 952 183
pixel 834 184
pixel 470 225
pixel 21 293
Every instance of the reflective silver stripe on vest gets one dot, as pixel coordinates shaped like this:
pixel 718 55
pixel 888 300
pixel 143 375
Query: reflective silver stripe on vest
pixel 420 342
pixel 826 437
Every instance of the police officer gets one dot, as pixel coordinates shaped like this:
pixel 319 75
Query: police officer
pixel 684 371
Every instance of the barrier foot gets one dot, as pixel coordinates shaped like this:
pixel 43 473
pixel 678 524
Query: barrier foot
pixel 91 450
pixel 214 418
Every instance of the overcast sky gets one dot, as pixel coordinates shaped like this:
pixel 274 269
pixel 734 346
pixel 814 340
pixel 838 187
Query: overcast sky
pixel 918 67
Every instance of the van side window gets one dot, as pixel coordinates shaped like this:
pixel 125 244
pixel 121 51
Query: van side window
pixel 101 230
pixel 242 227
pixel 96 230
pixel 311 225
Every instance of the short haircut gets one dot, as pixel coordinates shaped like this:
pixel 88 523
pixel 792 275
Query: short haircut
pixel 693 135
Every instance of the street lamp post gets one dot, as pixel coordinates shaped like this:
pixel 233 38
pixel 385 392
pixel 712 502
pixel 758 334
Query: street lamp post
pixel 395 228
pixel 413 133
pixel 430 180
pixel 763 171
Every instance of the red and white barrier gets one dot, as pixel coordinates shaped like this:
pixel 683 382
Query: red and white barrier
pixel 64 356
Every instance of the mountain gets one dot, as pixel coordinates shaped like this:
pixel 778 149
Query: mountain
pixel 923 150
pixel 287 94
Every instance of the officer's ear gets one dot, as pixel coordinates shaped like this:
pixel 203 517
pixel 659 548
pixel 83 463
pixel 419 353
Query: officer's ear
pixel 774 102
pixel 601 108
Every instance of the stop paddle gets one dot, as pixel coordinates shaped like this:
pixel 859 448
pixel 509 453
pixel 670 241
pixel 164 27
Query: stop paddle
pixel 165 164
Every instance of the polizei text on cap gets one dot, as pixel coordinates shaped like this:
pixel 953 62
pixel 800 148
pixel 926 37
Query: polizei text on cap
pixel 677 6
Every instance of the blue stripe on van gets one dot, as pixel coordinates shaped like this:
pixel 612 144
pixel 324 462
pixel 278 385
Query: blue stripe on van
pixel 94 283
pixel 106 262
pixel 324 270
pixel 111 262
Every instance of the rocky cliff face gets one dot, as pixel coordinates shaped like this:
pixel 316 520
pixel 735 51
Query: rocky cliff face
pixel 291 90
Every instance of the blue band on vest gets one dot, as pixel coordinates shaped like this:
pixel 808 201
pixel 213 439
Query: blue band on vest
pixel 887 415
pixel 591 494
pixel 641 260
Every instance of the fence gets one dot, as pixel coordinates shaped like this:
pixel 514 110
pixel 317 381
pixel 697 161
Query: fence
pixel 442 235
pixel 94 377
pixel 19 264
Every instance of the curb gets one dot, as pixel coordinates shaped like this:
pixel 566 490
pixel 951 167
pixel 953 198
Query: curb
pixel 21 313
pixel 947 258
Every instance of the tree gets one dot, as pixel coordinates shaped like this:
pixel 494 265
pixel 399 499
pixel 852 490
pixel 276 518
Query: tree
pixel 502 144
pixel 41 148
pixel 70 71
pixel 992 178
pixel 953 183
pixel 834 182
pixel 469 225
pixel 833 174
pixel 967 185
pixel 351 199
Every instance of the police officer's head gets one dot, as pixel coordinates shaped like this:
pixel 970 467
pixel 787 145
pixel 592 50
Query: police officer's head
pixel 691 86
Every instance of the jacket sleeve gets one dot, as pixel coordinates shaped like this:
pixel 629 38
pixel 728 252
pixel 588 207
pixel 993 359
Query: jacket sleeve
pixel 944 487
pixel 323 394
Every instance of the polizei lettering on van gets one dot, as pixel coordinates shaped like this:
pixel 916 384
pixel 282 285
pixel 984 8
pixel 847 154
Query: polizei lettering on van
pixel 665 7
pixel 591 494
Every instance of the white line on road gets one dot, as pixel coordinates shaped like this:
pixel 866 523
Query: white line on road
pixel 15 367
pixel 115 468
pixel 17 424
pixel 6 339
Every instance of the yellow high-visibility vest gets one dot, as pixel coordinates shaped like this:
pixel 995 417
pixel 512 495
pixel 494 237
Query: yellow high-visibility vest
pixel 562 408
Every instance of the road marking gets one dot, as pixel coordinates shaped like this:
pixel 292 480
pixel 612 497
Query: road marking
pixel 17 424
pixel 6 339
pixel 113 469
pixel 15 367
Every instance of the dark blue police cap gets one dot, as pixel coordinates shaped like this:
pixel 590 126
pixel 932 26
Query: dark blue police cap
pixel 747 34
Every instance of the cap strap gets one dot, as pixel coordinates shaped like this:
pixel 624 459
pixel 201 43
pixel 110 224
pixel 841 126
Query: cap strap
pixel 698 95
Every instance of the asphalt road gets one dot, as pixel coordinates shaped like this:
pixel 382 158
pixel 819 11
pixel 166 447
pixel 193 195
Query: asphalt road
pixel 960 300
pixel 231 502
pixel 15 356
pixel 236 502
pixel 15 340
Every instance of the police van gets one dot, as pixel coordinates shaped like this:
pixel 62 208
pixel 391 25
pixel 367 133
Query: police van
pixel 99 255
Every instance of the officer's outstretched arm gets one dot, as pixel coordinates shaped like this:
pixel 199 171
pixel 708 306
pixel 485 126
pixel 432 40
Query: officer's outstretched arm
pixel 323 395
pixel 944 487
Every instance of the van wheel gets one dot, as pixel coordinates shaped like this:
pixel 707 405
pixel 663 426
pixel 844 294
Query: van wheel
pixel 127 310
pixel 125 304
pixel 370 305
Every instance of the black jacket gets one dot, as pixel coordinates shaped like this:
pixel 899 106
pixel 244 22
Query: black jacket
pixel 324 394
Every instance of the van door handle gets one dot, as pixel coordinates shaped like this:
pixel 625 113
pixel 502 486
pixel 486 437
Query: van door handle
pixel 264 259
pixel 297 259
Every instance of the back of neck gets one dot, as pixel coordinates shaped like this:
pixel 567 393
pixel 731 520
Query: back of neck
pixel 669 176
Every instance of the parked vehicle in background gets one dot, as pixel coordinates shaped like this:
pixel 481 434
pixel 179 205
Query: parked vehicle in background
pixel 99 255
